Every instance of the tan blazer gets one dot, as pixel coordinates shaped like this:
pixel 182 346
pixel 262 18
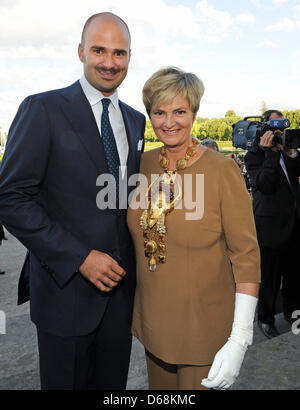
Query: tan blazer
pixel 183 312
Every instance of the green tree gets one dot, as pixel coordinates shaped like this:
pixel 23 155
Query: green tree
pixel 3 138
pixel 263 107
pixel 294 117
pixel 149 133
pixel 230 113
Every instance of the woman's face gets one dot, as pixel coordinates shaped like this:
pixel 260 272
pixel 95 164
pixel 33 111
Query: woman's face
pixel 172 122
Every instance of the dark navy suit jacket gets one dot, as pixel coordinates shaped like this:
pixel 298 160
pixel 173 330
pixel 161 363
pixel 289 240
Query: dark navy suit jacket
pixel 48 193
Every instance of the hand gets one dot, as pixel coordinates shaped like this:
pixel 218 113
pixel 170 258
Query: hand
pixel 266 141
pixel 226 366
pixel 102 270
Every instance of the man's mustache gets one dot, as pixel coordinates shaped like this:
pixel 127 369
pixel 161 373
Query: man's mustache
pixel 110 70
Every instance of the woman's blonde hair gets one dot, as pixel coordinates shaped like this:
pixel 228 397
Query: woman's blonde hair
pixel 166 83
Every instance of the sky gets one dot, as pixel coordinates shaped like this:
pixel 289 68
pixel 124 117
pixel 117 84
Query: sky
pixel 245 51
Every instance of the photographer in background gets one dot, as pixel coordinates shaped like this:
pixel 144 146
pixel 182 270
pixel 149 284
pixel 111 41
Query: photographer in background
pixel 210 143
pixel 274 172
pixel 241 164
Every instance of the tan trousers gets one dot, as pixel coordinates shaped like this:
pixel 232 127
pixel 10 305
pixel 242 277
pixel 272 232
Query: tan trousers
pixel 166 376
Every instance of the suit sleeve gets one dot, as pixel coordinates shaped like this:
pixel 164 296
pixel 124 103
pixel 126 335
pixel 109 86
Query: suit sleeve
pixel 264 170
pixel 22 173
pixel 238 225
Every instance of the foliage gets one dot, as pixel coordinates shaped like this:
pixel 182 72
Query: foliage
pixel 3 138
pixel 230 113
pixel 294 117
pixel 215 128
pixel 219 128
pixel 263 107
pixel 149 133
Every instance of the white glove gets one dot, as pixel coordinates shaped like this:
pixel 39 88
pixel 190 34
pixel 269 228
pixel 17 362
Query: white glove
pixel 227 362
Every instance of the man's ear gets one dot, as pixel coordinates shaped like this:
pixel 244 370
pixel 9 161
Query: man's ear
pixel 80 53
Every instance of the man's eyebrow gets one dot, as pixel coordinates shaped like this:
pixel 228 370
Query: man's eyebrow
pixel 115 50
pixel 121 50
pixel 98 47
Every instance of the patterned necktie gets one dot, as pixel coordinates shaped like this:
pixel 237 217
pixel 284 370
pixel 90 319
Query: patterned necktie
pixel 109 143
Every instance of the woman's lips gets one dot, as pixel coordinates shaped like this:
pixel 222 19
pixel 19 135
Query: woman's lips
pixel 170 132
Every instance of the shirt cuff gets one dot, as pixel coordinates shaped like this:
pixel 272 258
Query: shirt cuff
pixel 294 155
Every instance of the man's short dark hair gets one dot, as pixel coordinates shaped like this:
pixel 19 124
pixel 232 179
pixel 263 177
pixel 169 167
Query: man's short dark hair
pixel 107 14
pixel 267 114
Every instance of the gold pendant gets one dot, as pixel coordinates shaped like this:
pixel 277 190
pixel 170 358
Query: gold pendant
pixel 162 194
pixel 151 247
pixel 181 164
pixel 152 264
pixel 191 151
pixel 164 162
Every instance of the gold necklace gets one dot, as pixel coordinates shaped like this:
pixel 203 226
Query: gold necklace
pixel 161 198
pixel 181 163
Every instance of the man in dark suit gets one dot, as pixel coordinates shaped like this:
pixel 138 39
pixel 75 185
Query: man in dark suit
pixel 2 236
pixel 80 269
pixel 274 172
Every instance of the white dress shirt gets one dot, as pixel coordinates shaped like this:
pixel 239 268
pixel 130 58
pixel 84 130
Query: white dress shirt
pixel 94 97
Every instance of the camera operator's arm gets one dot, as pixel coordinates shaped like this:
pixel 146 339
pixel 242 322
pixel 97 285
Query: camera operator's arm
pixel 292 155
pixel 266 142
pixel 263 166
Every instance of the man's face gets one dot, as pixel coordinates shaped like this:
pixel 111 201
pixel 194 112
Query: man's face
pixel 275 116
pixel 105 54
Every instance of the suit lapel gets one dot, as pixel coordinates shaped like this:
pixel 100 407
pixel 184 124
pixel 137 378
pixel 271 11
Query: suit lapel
pixel 80 115
pixel 129 122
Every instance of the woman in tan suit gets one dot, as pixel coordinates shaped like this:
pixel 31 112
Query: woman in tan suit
pixel 198 269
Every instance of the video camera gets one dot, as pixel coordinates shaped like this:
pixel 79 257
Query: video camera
pixel 246 134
